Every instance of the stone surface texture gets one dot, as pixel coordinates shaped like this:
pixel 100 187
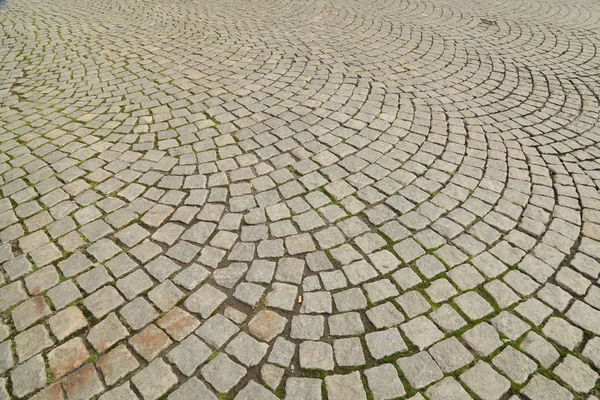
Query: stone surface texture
pixel 300 199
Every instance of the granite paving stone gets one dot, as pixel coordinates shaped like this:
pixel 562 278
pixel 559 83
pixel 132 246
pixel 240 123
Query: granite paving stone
pixel 447 389
pixel 272 375
pixel 299 199
pixel 540 387
pixel 84 383
pixel 116 364
pixel 150 342
pixel 223 373
pixel 154 380
pixel 316 355
pixel 384 382
pixel 485 382
pixel 450 355
pixel 192 387
pixel 303 389
pixel 577 374
pixel 419 369
pixel 189 354
pixel 347 386
pixel 516 365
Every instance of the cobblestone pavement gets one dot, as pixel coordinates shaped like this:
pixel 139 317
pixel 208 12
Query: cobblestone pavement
pixel 299 199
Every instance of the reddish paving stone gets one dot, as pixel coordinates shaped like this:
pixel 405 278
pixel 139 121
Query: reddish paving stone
pixel 116 364
pixel 267 324
pixel 29 312
pixel 67 357
pixel 178 323
pixel 82 384
pixel 150 342
pixel 52 392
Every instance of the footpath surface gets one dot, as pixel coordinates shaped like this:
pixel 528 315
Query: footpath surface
pixel 299 199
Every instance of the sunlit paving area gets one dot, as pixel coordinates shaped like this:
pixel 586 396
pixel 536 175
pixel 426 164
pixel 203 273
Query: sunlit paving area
pixel 299 199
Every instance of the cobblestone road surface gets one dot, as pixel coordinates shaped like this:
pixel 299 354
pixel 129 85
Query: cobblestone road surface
pixel 299 199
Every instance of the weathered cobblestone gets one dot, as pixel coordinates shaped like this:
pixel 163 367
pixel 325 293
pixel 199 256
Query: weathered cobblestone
pixel 299 199
pixel 154 380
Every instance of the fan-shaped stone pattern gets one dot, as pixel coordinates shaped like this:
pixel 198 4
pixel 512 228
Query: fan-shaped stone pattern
pixel 292 199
